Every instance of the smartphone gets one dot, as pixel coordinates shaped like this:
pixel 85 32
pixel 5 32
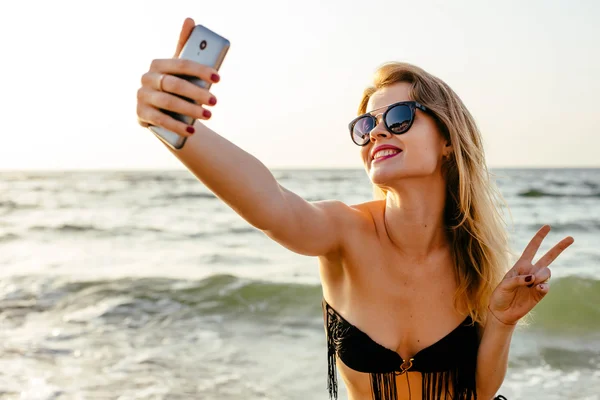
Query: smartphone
pixel 205 47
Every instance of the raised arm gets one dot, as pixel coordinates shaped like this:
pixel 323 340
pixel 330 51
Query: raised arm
pixel 250 189
pixel 233 175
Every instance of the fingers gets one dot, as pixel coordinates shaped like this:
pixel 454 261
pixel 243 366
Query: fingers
pixel 539 279
pixel 535 243
pixel 186 30
pixel 554 252
pixel 151 102
pixel 151 116
pixel 177 95
pixel 178 86
pixel 182 66
pixel 164 90
pixel 542 288
pixel 540 276
pixel 170 102
pixel 516 281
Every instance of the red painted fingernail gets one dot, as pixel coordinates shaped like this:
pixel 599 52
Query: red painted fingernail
pixel 190 129
pixel 528 278
pixel 206 114
pixel 212 101
pixel 215 78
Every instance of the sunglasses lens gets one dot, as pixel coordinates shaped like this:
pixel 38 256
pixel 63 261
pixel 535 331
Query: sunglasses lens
pixel 398 118
pixel 361 130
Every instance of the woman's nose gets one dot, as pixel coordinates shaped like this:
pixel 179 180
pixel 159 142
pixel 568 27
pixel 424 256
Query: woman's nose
pixel 379 132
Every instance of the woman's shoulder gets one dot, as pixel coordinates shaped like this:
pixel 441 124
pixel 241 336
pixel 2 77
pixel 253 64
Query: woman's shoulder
pixel 358 215
pixel 353 221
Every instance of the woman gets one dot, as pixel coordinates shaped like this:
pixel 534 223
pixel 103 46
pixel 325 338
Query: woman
pixel 417 299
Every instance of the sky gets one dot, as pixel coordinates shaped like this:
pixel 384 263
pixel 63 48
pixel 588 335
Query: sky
pixel 293 77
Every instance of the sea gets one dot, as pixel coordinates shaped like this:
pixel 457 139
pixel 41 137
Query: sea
pixel 144 285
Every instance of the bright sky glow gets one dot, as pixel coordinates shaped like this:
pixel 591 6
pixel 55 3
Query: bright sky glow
pixel 527 70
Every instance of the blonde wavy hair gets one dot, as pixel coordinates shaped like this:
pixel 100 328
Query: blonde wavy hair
pixel 476 228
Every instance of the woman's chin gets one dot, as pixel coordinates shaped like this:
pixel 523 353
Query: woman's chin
pixel 380 174
pixel 381 177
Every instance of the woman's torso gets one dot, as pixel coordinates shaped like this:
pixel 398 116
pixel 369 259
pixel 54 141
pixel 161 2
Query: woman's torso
pixel 401 304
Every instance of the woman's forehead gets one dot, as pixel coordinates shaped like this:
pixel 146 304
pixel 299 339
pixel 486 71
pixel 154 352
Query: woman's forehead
pixel 388 95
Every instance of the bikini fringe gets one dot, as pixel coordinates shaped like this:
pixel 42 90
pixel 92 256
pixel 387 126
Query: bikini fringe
pixel 332 383
pixel 456 384
pixel 383 386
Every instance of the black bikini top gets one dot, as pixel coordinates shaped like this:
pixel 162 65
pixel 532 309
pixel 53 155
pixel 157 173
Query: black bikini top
pixel 448 366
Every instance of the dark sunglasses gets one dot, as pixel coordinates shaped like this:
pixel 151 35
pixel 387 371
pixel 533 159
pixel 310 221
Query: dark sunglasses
pixel 397 118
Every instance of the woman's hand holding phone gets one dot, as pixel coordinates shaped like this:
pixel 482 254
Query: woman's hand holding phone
pixel 236 177
pixel 163 89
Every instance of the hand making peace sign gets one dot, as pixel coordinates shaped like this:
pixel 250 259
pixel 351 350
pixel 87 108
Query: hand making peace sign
pixel 526 283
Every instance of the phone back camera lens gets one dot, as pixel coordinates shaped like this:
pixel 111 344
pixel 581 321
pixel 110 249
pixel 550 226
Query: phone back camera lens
pixel 203 45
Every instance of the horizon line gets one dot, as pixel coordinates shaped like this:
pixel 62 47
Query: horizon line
pixel 171 169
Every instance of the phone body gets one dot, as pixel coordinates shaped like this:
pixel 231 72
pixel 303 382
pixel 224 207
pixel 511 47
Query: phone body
pixel 205 47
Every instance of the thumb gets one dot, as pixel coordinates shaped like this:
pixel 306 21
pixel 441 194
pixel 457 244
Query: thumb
pixel 186 29
pixel 516 281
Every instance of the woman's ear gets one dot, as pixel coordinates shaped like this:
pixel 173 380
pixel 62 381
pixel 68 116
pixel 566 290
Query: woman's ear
pixel 447 149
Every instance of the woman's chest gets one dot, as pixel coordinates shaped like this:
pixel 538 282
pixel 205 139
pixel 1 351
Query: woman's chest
pixel 402 306
pixel 369 367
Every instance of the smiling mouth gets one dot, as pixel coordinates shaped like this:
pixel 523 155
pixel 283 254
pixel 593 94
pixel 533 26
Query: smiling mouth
pixel 385 157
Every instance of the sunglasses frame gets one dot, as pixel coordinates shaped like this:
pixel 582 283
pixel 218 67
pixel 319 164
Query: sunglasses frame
pixel 412 105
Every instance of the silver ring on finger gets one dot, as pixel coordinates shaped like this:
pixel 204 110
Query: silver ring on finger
pixel 160 82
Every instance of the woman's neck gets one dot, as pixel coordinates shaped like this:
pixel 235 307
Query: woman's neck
pixel 414 218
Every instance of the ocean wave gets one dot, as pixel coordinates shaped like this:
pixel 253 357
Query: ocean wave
pixel 131 230
pixel 572 307
pixel 542 193
pixel 334 178
pixel 7 237
pixel 148 176
pixel 11 205
pixel 185 195
pixel 125 301
pixel 557 355
pixel 590 225
pixel 166 179
pixel 281 176
pixel 241 230
pixel 591 185
pixel 8 204
pixel 567 359
pixel 18 176
pixel 94 230
pixel 233 258
pixel 223 232
pixel 559 183
pixel 144 177
pixel 68 228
